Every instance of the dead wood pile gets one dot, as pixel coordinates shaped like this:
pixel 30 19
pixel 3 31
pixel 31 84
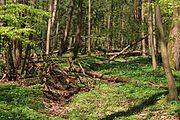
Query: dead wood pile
pixel 59 84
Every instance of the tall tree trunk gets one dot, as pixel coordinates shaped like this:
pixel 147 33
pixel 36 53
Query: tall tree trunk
pixel 151 42
pixel 165 58
pixel 143 33
pixel 9 61
pixel 174 41
pixel 110 27
pixel 78 33
pixel 89 27
pixel 154 35
pixel 65 41
pixel 27 54
pixel 54 11
pixel 17 53
pixel 54 21
pixel 49 29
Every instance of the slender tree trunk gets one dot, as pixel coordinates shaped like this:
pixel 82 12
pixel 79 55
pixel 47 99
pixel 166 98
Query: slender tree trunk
pixel 78 33
pixel 153 55
pixel 154 35
pixel 53 23
pixel 17 53
pixel 143 21
pixel 49 29
pixel 27 54
pixel 110 28
pixel 173 95
pixel 54 12
pixel 10 63
pixel 55 40
pixel 89 27
pixel 65 41
pixel 108 33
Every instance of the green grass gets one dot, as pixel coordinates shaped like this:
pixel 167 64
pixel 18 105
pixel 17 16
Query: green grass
pixel 138 68
pixel 125 101
pixel 106 101
pixel 21 103
pixel 114 100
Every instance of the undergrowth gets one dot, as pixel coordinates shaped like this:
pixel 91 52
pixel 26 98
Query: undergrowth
pixel 106 101
pixel 21 103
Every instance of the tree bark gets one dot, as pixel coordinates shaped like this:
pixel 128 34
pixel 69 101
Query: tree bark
pixel 10 63
pixel 173 95
pixel 53 23
pixel 89 27
pixel 49 29
pixel 110 28
pixel 151 42
pixel 127 47
pixel 17 53
pixel 78 33
pixel 65 41
pixel 174 41
pixel 143 21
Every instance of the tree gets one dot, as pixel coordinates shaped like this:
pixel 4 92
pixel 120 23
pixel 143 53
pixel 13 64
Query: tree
pixel 174 39
pixel 64 40
pixel 78 31
pixel 19 24
pixel 89 27
pixel 151 42
pixel 143 32
pixel 173 95
pixel 49 28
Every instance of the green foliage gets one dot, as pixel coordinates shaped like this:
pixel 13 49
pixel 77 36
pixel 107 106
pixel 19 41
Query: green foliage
pixel 124 23
pixel 19 21
pixel 167 7
pixel 20 103
pixel 21 34
pixel 125 100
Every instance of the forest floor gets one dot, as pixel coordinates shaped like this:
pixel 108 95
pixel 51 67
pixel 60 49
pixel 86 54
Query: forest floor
pixel 104 101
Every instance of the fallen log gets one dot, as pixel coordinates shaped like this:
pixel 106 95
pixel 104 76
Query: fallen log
pixel 127 47
pixel 97 75
pixel 133 53
pixel 108 78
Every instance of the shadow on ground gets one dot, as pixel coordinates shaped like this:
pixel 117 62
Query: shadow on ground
pixel 136 109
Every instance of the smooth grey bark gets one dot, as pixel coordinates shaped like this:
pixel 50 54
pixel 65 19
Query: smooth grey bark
pixel 49 29
pixel 89 27
pixel 151 42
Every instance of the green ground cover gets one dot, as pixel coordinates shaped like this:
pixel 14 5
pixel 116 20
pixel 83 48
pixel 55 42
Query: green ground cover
pixel 21 103
pixel 119 101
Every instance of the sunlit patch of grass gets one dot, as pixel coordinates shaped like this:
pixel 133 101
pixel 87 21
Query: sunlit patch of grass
pixel 138 68
pixel 124 101
pixel 21 103
pixel 107 99
pixel 120 101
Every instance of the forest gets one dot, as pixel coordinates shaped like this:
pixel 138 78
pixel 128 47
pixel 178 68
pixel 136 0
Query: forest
pixel 89 60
